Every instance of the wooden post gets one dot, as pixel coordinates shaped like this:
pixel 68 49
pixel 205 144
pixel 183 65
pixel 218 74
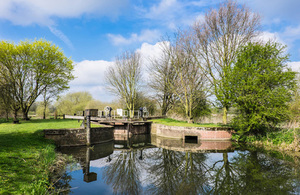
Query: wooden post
pixel 88 130
pixel 89 113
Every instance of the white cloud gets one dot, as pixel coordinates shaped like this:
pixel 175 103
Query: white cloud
pixel 90 75
pixel 295 66
pixel 163 7
pixel 174 14
pixel 149 52
pixel 145 36
pixel 61 36
pixel 90 72
pixel 291 34
pixel 42 12
pixel 269 36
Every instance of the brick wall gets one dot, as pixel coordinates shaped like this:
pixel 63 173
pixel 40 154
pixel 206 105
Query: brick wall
pixel 181 145
pixel 203 133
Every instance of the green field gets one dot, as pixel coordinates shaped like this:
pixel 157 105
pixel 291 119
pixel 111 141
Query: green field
pixel 172 122
pixel 25 156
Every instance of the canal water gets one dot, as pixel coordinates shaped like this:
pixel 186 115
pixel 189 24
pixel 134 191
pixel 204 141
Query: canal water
pixel 155 165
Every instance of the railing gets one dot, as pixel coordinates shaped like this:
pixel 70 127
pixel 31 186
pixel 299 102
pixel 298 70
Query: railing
pixel 119 113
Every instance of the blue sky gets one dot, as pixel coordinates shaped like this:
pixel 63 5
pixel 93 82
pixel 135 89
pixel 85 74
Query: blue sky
pixel 93 32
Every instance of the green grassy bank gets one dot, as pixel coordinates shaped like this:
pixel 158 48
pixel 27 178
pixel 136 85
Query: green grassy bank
pixel 173 122
pixel 282 139
pixel 26 157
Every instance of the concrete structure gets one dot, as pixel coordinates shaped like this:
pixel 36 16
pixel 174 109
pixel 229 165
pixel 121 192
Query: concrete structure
pixel 199 133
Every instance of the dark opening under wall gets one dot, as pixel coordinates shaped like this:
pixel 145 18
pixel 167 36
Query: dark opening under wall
pixel 191 139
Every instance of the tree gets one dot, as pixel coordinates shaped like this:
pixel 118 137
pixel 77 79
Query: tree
pixel 5 99
pixel 190 83
pixel 144 101
pixel 72 103
pixel 218 39
pixel 31 68
pixel 161 73
pixel 295 104
pixel 96 104
pixel 41 111
pixel 261 86
pixel 124 78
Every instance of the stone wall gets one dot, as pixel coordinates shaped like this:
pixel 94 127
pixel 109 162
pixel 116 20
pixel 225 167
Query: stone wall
pixel 202 133
pixel 77 137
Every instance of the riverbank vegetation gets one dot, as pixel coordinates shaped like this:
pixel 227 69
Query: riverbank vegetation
pixel 26 158
pixel 282 139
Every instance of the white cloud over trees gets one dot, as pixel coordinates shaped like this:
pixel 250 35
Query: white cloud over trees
pixel 27 12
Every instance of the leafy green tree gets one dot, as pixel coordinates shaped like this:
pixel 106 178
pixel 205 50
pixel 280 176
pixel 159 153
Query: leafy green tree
pixel 5 99
pixel 31 68
pixel 96 104
pixel 295 104
pixel 262 86
pixel 218 38
pixel 71 103
pixel 41 111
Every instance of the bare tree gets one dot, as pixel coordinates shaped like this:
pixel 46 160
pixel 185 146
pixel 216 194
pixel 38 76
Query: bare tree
pixel 218 39
pixel 161 73
pixel 190 83
pixel 124 78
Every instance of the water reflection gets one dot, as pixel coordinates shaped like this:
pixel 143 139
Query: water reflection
pixel 136 166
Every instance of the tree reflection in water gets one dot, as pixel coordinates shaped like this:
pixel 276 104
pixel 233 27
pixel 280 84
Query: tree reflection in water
pixel 163 171
pixel 123 173
pixel 177 172
pixel 253 173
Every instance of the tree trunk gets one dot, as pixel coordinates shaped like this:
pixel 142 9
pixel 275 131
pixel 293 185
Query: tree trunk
pixel 44 112
pixel 164 108
pixel 190 120
pixel 225 116
pixel 16 116
pixel 6 115
pixel 25 114
pixel 55 114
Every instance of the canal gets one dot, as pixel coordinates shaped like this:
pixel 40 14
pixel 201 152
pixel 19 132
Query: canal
pixel 147 164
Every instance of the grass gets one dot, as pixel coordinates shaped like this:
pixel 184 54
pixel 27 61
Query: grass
pixel 283 138
pixel 25 156
pixel 173 122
